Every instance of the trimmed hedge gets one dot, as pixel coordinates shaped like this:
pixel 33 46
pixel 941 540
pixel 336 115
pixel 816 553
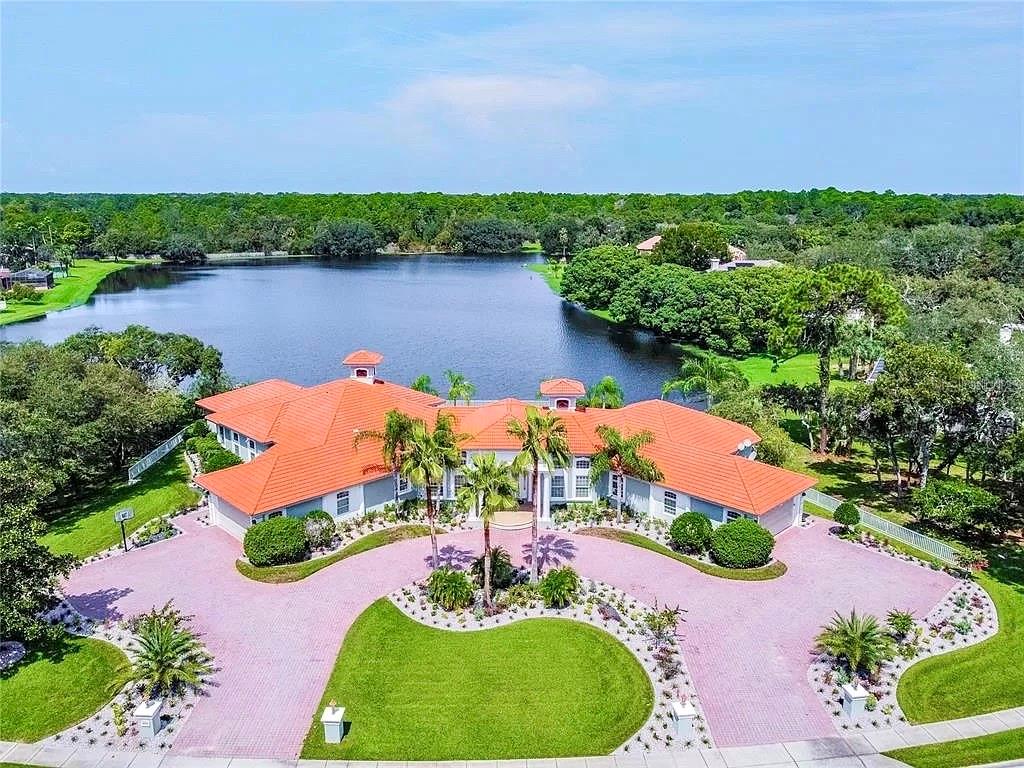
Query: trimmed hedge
pixel 742 544
pixel 276 541
pixel 691 532
pixel 847 514
pixel 212 456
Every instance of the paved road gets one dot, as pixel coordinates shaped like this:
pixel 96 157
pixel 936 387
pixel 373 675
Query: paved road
pixel 747 644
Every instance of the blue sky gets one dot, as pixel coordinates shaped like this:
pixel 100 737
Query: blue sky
pixel 573 97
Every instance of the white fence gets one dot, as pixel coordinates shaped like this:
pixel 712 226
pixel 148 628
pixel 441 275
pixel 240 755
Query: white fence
pixel 154 456
pixel 888 528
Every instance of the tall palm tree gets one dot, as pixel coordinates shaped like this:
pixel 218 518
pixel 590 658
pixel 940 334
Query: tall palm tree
pixel 704 372
pixel 543 441
pixel 459 387
pixel 169 658
pixel 429 454
pixel 620 456
pixel 490 487
pixel 606 394
pixel 394 442
pixel 859 640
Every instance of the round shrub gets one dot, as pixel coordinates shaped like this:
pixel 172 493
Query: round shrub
pixel 320 529
pixel 450 589
pixel 559 587
pixel 691 532
pixel 503 573
pixel 742 544
pixel 276 541
pixel 847 514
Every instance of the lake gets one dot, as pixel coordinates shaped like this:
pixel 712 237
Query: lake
pixel 487 317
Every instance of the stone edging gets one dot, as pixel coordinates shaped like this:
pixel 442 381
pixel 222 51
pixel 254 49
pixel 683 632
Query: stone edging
pixel 657 734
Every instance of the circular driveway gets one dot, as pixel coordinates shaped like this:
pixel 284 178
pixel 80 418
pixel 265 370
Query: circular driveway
pixel 747 644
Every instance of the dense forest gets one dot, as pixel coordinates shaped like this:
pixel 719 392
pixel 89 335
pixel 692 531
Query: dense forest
pixel 928 235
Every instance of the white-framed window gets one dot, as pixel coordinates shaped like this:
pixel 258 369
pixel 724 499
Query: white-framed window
pixel 671 502
pixel 222 433
pixel 460 481
pixel 557 485
pixel 613 485
pixel 731 515
pixel 436 492
pixel 463 457
pixel 581 484
pixel 252 444
pixel 234 436
pixel 278 513
pixel 341 506
pixel 403 484
pixel 561 404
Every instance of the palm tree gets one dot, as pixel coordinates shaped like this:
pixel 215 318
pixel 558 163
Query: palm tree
pixel 429 454
pixel 490 487
pixel 422 383
pixel 169 658
pixel 620 456
pixel 542 436
pixel 459 387
pixel 606 394
pixel 702 373
pixel 859 640
pixel 394 442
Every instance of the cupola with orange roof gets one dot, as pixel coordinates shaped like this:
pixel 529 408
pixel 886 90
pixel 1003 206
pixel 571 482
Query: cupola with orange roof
pixel 562 394
pixel 362 365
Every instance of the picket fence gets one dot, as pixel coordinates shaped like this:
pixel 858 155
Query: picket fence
pixel 154 456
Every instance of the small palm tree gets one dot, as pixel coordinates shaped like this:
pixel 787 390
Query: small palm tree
pixel 705 373
pixel 490 486
pixel 422 383
pixel 429 454
pixel 858 640
pixel 394 442
pixel 459 387
pixel 543 441
pixel 170 657
pixel 620 456
pixel 606 394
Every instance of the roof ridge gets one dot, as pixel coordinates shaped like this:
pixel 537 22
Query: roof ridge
pixel 743 481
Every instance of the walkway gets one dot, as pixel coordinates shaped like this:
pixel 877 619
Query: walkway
pixel 747 643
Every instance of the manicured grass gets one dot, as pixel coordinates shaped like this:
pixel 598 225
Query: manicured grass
pixel 770 571
pixel 281 574
pixel 980 750
pixel 68 291
pixel 762 369
pixel 89 527
pixel 985 677
pixel 59 684
pixel 535 688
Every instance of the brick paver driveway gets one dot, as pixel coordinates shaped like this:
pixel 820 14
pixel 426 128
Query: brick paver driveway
pixel 746 643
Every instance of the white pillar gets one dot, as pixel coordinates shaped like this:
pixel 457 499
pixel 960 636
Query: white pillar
pixel 683 713
pixel 333 719
pixel 854 700
pixel 147 718
pixel 545 510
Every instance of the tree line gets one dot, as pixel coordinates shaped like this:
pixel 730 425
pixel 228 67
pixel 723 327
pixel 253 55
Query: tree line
pixel 917 234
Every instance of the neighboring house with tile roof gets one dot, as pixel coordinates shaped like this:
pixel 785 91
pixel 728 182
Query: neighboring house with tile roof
pixel 299 452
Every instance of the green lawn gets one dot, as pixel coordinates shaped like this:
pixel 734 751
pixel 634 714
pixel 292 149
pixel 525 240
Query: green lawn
pixel 979 750
pixel 771 571
pixel 535 688
pixel 59 684
pixel 280 574
pixel 985 677
pixel 89 527
pixel 68 291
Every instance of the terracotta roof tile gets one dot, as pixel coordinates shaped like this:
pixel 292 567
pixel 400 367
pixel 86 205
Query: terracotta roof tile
pixel 363 357
pixel 571 387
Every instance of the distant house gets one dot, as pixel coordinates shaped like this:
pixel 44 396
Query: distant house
pixel 6 279
pixel 40 279
pixel 737 257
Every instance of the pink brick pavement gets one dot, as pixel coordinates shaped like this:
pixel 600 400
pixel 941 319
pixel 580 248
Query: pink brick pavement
pixel 746 643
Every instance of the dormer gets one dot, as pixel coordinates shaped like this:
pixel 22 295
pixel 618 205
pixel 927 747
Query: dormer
pixel 362 365
pixel 562 394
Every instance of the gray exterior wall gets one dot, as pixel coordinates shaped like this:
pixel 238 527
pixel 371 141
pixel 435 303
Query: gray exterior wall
pixel 380 492
pixel 714 511
pixel 305 507
pixel 637 494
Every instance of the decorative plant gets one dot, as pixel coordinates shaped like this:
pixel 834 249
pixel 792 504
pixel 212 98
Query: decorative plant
pixel 742 544
pixel 320 530
pixel 170 657
pixel 276 541
pixel 621 455
pixel 450 589
pixel 559 587
pixel 900 622
pixel 856 639
pixel 691 532
pixel 847 515
pixel 503 573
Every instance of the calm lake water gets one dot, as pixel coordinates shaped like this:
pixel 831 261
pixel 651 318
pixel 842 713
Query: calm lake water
pixel 490 318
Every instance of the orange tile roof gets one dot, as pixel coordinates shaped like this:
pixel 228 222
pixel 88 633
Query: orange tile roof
pixel 312 430
pixel 363 357
pixel 570 387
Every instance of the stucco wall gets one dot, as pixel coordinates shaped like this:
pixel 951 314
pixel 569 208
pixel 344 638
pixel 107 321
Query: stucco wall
pixel 638 495
pixel 378 493
pixel 232 520
pixel 714 511
pixel 783 516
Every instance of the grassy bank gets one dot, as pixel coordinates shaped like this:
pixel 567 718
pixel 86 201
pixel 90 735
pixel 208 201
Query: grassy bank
pixel 980 750
pixel 535 688
pixel 771 571
pixel 89 527
pixel 68 291
pixel 282 574
pixel 59 684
